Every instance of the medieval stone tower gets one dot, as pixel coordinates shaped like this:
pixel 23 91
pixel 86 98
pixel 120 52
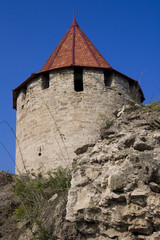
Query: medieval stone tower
pixel 63 107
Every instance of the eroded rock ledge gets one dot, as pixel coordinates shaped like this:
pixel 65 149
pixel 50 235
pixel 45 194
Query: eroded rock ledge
pixel 115 191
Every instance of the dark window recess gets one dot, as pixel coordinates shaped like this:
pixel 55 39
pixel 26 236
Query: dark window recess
pixel 40 151
pixel 107 78
pixel 132 84
pixel 45 80
pixel 78 79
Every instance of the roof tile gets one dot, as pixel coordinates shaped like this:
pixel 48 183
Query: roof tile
pixel 75 49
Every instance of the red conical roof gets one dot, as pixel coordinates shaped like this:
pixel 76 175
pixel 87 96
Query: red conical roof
pixel 75 49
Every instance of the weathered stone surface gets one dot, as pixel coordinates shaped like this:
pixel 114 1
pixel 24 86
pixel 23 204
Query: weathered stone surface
pixel 53 122
pixel 141 226
pixel 155 236
pixel 27 235
pixel 116 184
pixel 154 187
pixel 8 203
pixel 53 198
pixel 83 149
pixel 142 146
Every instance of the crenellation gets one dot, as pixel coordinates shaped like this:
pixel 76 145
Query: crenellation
pixel 21 99
pixel 134 92
pixel 22 94
pixel 34 85
pixel 119 82
pixel 57 81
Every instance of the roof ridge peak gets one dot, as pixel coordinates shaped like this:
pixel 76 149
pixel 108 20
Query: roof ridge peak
pixel 74 23
pixel 75 49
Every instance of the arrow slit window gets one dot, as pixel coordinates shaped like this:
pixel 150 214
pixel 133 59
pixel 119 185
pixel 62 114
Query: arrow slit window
pixel 78 79
pixel 45 80
pixel 107 78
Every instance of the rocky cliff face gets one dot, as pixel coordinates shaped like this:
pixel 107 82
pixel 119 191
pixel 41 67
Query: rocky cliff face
pixel 8 202
pixel 115 191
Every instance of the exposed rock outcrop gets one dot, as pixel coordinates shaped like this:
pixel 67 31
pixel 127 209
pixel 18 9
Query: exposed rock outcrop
pixel 115 190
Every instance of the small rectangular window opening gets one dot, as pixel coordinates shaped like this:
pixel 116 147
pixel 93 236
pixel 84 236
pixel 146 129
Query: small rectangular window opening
pixel 45 80
pixel 78 79
pixel 132 84
pixel 107 79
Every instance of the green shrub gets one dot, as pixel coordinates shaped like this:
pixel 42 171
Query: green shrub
pixel 61 179
pixel 109 123
pixel 34 192
pixel 154 106
pixel 20 213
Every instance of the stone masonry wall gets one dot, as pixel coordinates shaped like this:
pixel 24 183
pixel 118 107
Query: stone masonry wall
pixel 53 122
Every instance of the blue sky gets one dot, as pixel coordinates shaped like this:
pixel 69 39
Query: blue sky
pixel 126 32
